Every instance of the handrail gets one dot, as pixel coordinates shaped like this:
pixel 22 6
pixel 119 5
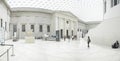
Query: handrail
pixel 7 51
pixel 12 46
pixel 3 53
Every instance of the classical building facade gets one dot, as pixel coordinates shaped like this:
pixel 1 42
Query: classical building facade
pixel 57 24
pixel 4 19
pixel 41 21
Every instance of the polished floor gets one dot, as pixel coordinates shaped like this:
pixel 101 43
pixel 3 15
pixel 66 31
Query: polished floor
pixel 62 51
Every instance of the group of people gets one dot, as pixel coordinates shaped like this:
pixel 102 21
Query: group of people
pixel 114 46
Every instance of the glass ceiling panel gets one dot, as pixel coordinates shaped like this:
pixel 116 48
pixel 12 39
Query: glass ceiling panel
pixel 87 10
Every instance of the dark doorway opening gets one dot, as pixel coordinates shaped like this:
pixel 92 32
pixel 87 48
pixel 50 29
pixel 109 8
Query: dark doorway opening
pixel 15 35
pixel 61 33
pixel 57 35
pixel 67 33
pixel 72 32
pixel 14 29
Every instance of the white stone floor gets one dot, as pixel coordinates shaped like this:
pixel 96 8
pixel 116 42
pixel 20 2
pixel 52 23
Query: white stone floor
pixel 62 51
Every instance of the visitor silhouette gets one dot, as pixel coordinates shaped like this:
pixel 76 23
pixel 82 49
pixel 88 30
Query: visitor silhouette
pixel 115 45
pixel 88 41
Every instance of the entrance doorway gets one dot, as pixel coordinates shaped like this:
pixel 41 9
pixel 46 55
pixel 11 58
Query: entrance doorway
pixel 61 33
pixel 57 35
pixel 14 30
pixel 72 32
pixel 67 34
pixel 15 35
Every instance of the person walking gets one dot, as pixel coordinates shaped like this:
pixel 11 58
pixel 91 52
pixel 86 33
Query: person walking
pixel 88 41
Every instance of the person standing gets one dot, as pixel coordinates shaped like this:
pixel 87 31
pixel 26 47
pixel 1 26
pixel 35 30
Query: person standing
pixel 88 41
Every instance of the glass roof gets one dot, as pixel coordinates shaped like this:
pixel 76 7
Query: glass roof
pixel 87 10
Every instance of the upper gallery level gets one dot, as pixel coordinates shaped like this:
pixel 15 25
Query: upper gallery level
pixel 111 9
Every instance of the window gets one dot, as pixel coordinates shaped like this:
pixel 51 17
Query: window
pixel 9 26
pixel 105 3
pixel 48 28
pixel 23 28
pixel 115 2
pixel 6 26
pixel 40 28
pixel 61 33
pixel 1 23
pixel 67 33
pixel 78 30
pixel 111 3
pixel 118 1
pixel 67 22
pixel 32 28
pixel 72 32
pixel 14 28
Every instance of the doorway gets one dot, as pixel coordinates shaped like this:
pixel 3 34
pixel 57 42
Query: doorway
pixel 67 34
pixel 14 30
pixel 61 33
pixel 15 34
pixel 72 32
pixel 57 35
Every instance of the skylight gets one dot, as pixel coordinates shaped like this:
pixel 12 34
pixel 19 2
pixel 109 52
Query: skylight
pixel 87 10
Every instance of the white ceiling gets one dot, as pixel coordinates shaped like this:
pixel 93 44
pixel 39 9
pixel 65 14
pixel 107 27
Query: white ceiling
pixel 87 10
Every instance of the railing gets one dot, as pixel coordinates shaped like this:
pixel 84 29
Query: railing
pixel 7 51
pixel 2 43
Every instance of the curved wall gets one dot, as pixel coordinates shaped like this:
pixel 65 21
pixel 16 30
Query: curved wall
pixel 112 12
pixel 108 31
